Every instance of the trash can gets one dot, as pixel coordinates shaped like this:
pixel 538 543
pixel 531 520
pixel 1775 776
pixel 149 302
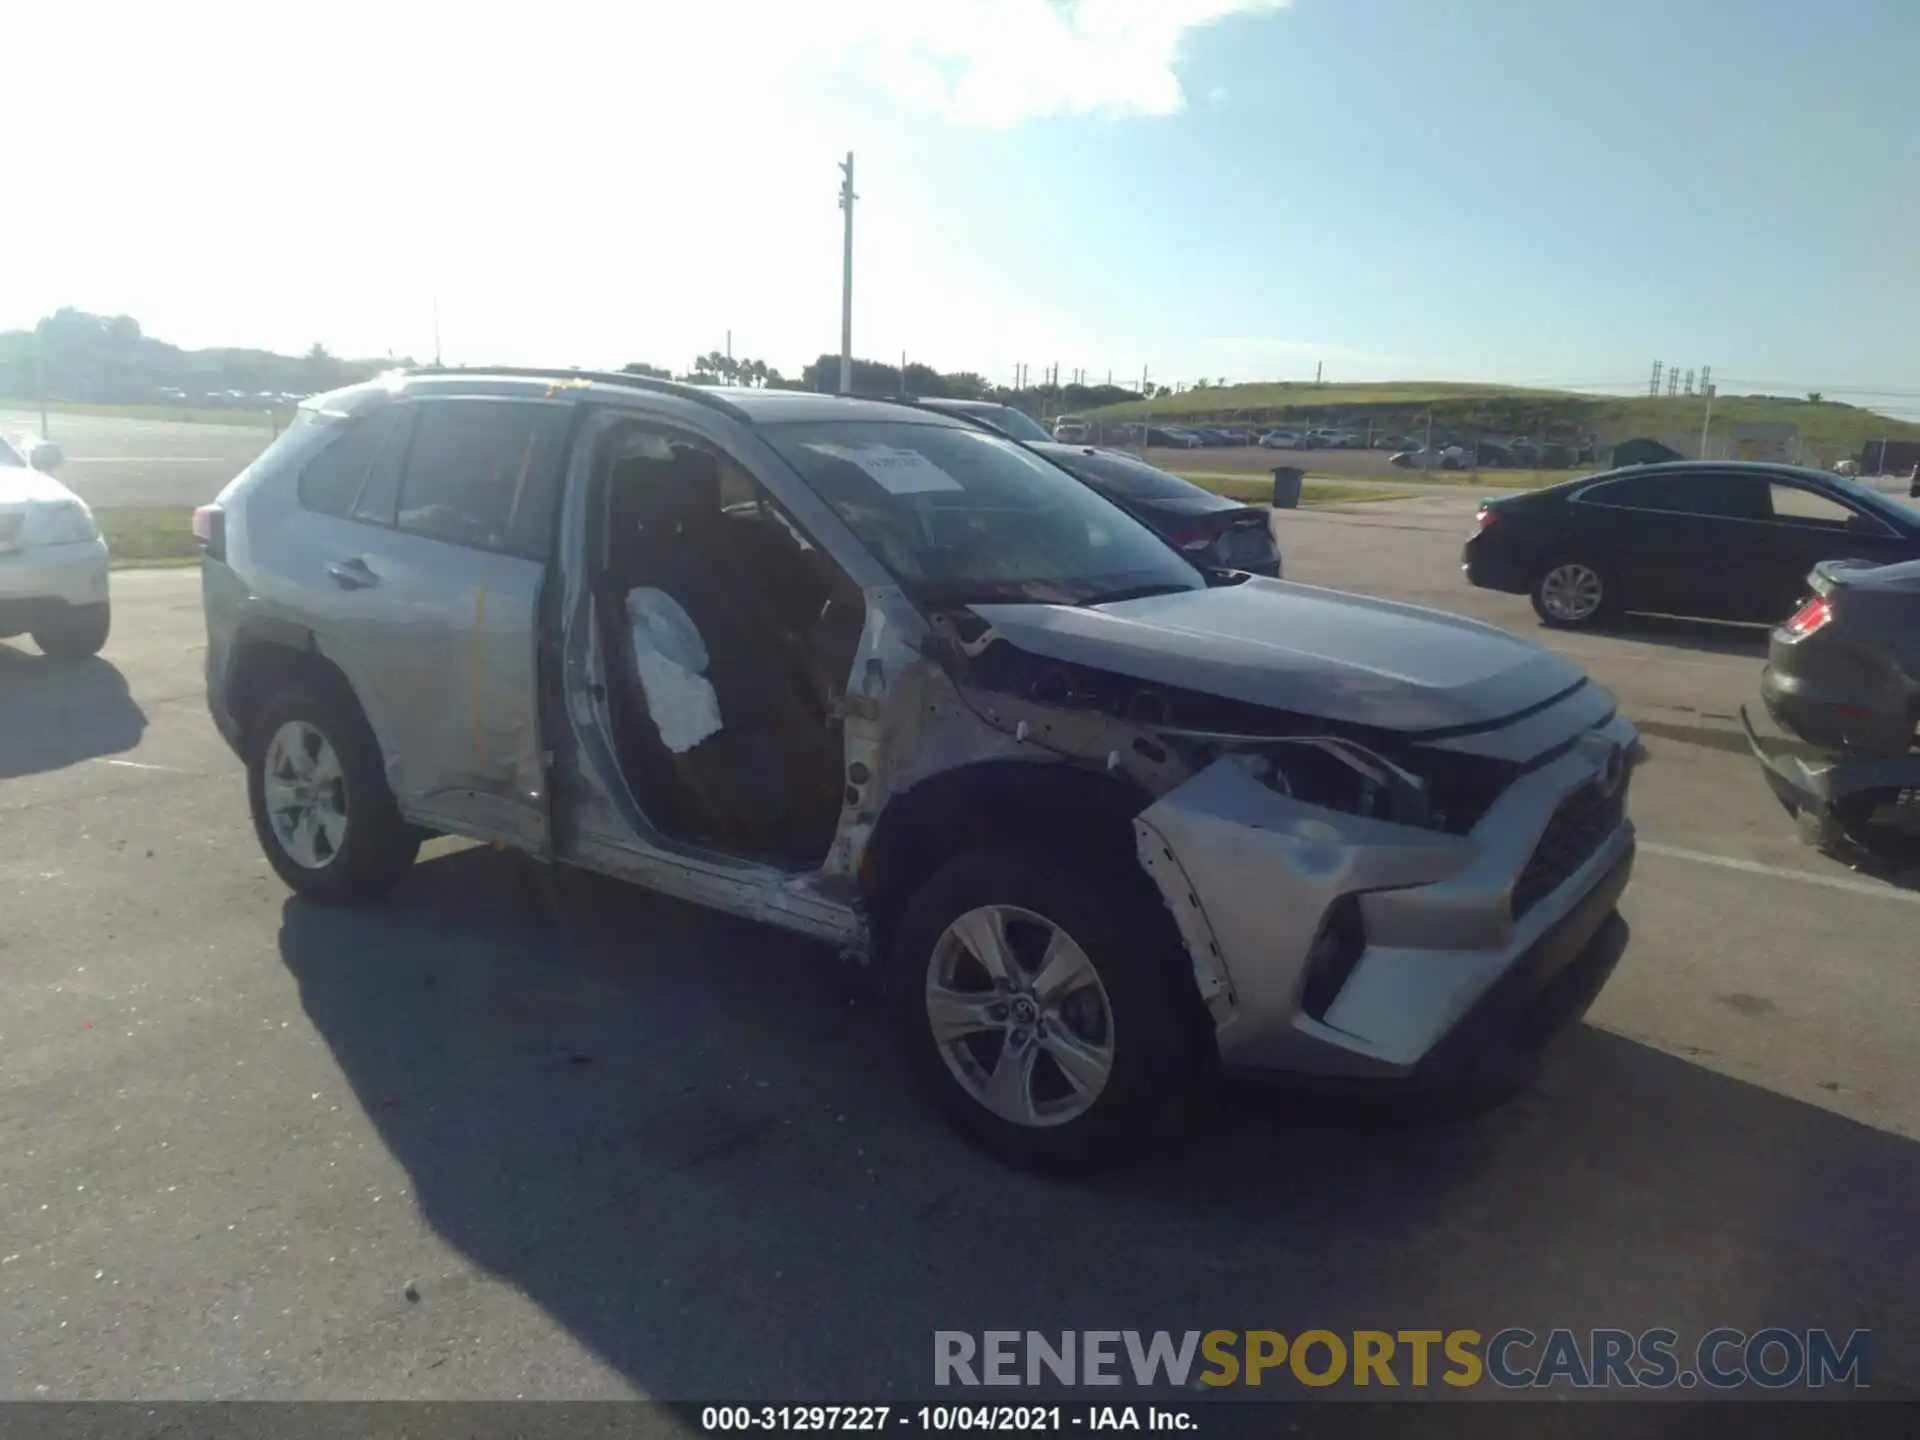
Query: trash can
pixel 1286 486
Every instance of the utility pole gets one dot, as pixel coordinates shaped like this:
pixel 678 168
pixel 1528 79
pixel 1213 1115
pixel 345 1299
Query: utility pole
pixel 1653 386
pixel 1426 450
pixel 436 332
pixel 847 197
pixel 1143 381
pixel 1706 390
pixel 1318 366
pixel 903 374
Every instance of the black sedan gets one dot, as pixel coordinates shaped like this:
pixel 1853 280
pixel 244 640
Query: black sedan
pixel 1721 540
pixel 1208 529
pixel 1843 676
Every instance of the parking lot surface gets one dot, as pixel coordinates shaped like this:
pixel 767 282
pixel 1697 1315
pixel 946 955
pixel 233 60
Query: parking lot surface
pixel 113 460
pixel 501 1137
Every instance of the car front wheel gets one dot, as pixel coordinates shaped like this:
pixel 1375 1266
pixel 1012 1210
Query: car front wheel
pixel 321 807
pixel 80 632
pixel 1041 1010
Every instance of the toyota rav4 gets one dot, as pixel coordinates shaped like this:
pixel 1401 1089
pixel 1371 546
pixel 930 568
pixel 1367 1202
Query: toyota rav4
pixel 1102 821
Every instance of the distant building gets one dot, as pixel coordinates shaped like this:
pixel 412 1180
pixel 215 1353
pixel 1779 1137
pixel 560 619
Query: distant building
pixel 1889 457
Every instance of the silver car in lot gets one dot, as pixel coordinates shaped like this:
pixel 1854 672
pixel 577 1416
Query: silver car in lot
pixel 1100 822
pixel 53 563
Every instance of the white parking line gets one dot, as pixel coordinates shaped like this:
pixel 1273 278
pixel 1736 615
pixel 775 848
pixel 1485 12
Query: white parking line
pixel 1782 872
pixel 138 765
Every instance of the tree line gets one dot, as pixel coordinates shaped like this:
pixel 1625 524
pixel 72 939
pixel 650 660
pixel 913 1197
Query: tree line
pixel 878 379
pixel 72 355
pixel 108 359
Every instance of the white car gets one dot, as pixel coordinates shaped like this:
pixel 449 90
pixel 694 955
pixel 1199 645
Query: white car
pixel 1280 440
pixel 1072 430
pixel 53 563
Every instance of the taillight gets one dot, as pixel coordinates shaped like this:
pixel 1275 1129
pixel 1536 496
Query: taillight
pixel 1816 614
pixel 210 529
pixel 1485 516
pixel 1192 541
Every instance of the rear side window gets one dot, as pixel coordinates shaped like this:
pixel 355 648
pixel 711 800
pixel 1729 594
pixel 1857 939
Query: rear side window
pixel 1809 507
pixel 1728 496
pixel 484 474
pixel 330 480
pixel 1126 477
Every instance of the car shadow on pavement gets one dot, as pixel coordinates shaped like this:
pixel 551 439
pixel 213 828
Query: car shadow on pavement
pixel 55 713
pixel 1711 637
pixel 684 1139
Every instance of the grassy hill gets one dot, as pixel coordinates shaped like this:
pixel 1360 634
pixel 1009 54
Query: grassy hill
pixel 1825 426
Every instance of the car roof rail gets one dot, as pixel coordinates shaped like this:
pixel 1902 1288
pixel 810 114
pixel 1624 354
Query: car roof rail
pixel 699 394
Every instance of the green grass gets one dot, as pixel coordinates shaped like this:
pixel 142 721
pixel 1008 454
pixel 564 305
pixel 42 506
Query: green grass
pixel 1828 429
pixel 257 419
pixel 142 535
pixel 1257 489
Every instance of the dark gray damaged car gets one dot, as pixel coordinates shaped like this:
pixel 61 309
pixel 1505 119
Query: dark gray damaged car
pixel 1102 821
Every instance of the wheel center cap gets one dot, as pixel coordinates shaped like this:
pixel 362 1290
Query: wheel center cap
pixel 1023 1011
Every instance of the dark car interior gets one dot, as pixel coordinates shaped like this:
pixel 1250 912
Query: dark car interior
pixel 780 624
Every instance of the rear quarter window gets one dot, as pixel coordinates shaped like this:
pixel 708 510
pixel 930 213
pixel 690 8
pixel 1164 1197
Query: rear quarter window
pixel 332 474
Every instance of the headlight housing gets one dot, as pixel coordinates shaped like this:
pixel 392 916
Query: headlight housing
pixel 58 522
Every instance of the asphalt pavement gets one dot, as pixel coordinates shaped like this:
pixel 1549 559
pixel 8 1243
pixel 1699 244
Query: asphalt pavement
pixel 499 1138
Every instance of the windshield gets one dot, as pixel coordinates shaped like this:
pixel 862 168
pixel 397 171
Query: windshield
pixel 1124 475
pixel 959 515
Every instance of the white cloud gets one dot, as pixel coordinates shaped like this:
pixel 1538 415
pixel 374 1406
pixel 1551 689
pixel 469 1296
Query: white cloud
pixel 601 182
pixel 999 62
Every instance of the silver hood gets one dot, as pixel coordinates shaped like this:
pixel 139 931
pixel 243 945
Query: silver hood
pixel 1302 649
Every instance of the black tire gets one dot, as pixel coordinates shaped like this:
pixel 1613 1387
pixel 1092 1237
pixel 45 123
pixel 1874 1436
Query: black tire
pixel 81 632
pixel 1605 610
pixel 1158 1054
pixel 378 847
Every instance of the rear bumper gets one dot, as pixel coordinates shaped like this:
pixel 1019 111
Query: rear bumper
pixel 1830 714
pixel 1814 790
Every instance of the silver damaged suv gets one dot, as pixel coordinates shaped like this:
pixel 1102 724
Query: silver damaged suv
pixel 1102 821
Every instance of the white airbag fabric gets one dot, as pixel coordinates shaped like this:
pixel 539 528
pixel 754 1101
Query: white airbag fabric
pixel 671 661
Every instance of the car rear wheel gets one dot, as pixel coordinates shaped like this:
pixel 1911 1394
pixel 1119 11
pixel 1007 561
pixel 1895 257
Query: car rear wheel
pixel 1571 593
pixel 321 807
pixel 1039 1012
pixel 80 632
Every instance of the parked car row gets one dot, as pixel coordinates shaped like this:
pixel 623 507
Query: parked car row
pixel 875 674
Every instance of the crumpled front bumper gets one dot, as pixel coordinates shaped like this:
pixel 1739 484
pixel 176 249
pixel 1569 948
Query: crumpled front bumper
pixel 1448 970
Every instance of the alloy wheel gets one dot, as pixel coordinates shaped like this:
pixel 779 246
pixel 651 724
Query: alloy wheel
pixel 306 795
pixel 1571 592
pixel 1020 1016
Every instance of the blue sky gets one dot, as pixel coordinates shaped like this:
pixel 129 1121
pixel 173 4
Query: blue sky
pixel 1556 192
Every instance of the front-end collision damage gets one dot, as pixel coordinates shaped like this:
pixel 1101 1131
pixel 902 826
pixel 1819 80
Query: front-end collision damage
pixel 1334 813
pixel 1262 871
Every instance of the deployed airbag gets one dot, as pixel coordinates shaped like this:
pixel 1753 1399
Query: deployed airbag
pixel 671 661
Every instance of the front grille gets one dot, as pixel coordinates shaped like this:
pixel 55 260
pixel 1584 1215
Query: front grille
pixel 1578 828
